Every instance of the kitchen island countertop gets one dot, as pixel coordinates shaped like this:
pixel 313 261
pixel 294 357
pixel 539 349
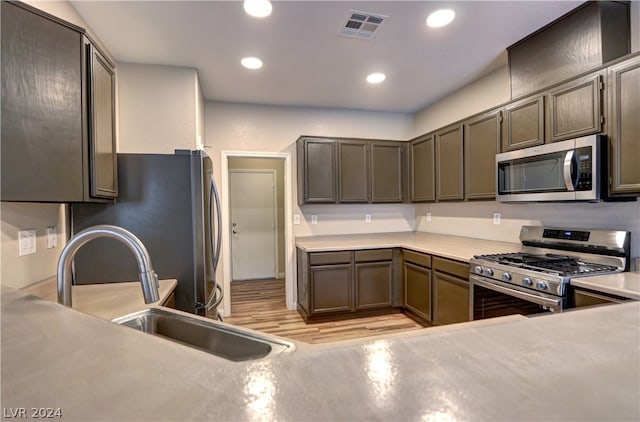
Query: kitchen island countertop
pixel 621 284
pixel 583 364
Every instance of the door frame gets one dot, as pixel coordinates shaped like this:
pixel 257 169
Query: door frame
pixel 273 173
pixel 288 230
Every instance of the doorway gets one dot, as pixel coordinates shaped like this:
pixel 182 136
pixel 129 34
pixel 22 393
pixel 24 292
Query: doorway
pixel 253 197
pixel 246 181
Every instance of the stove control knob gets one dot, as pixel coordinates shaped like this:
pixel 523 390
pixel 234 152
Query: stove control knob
pixel 488 271
pixel 478 269
pixel 541 285
pixel 527 282
pixel 506 276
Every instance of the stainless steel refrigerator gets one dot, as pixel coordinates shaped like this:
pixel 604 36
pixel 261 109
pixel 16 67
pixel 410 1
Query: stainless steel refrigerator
pixel 170 202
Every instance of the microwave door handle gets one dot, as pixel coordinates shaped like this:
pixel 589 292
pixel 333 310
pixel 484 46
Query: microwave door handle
pixel 568 171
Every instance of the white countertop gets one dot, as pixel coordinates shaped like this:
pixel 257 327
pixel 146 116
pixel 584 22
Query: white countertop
pixel 580 365
pixel 108 300
pixel 621 284
pixel 453 247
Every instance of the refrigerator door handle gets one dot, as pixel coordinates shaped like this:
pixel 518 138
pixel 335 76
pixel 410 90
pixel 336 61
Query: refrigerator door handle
pixel 215 196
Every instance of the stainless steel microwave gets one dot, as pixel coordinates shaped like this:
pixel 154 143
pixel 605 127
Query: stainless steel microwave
pixel 572 170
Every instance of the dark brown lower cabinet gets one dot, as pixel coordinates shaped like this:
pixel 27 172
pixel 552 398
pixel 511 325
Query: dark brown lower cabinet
pixel 450 291
pixel 373 284
pixel 346 282
pixel 580 298
pixel 331 288
pixel 417 293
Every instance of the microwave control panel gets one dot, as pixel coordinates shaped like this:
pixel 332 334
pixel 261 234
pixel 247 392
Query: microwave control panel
pixel 585 168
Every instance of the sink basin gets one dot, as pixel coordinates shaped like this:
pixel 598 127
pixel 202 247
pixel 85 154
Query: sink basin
pixel 212 337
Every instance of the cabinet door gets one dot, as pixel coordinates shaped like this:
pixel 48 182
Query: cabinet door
pixel 353 171
pixel 373 285
pixel 331 288
pixel 422 169
pixel 417 290
pixel 482 137
pixel 449 164
pixel 42 143
pixel 450 299
pixel 524 124
pixel 582 298
pixel 574 109
pixel 102 132
pixel 317 170
pixel 386 171
pixel 624 126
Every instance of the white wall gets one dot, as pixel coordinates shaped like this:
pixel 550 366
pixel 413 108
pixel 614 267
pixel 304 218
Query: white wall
pixel 158 108
pixel 244 127
pixel 20 271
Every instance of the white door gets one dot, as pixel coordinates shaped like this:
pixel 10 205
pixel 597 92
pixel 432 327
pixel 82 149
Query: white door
pixel 253 224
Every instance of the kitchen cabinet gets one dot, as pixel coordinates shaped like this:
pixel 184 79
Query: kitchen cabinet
pixel 373 278
pixel 346 170
pixel 353 171
pixel 422 169
pixel 449 163
pixel 574 108
pixel 345 282
pixel 58 115
pixel 386 171
pixel 524 121
pixel 417 283
pixel 450 291
pixel 624 126
pixel 482 138
pixel 580 298
pixel 317 181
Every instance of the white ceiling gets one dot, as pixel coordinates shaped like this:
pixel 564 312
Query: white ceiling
pixel 305 62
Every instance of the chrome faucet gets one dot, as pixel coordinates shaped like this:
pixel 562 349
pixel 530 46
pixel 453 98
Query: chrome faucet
pixel 148 277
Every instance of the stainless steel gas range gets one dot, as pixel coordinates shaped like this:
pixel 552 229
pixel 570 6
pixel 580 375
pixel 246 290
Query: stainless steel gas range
pixel 535 279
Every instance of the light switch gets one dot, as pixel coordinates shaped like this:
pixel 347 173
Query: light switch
pixel 52 237
pixel 26 242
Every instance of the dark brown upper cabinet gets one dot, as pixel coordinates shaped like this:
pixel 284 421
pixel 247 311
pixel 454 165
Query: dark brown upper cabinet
pixel 482 138
pixel 422 169
pixel 53 100
pixel 624 126
pixel 353 171
pixel 574 109
pixel 449 163
pixel 386 171
pixel 317 182
pixel 524 123
pixel 101 127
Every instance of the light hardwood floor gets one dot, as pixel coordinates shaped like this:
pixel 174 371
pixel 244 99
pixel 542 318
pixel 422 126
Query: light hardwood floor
pixel 260 305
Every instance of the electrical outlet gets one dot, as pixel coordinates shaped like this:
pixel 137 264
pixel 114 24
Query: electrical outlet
pixel 52 237
pixel 296 218
pixel 314 219
pixel 26 242
pixel 497 217
pixel 428 216
pixel 367 218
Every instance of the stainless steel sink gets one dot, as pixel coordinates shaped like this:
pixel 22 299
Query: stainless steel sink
pixel 209 336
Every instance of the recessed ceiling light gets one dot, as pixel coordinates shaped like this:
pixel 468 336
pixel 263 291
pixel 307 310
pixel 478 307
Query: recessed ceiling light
pixel 440 18
pixel 251 62
pixel 257 8
pixel 376 78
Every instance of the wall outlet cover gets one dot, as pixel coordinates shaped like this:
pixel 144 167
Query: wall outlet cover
pixel 497 217
pixel 367 218
pixel 26 242
pixel 52 238
pixel 296 218
pixel 428 216
pixel 314 219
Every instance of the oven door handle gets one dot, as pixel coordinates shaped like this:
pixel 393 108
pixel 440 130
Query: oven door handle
pixel 552 303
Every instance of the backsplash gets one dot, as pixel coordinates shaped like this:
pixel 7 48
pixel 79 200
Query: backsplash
pixel 476 219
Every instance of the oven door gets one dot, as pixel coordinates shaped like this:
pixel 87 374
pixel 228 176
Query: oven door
pixel 489 298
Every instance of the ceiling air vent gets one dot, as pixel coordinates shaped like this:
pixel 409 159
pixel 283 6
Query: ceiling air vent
pixel 361 25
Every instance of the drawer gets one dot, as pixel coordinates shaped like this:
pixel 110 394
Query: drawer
pixel 323 258
pixel 417 258
pixel 374 255
pixel 457 268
